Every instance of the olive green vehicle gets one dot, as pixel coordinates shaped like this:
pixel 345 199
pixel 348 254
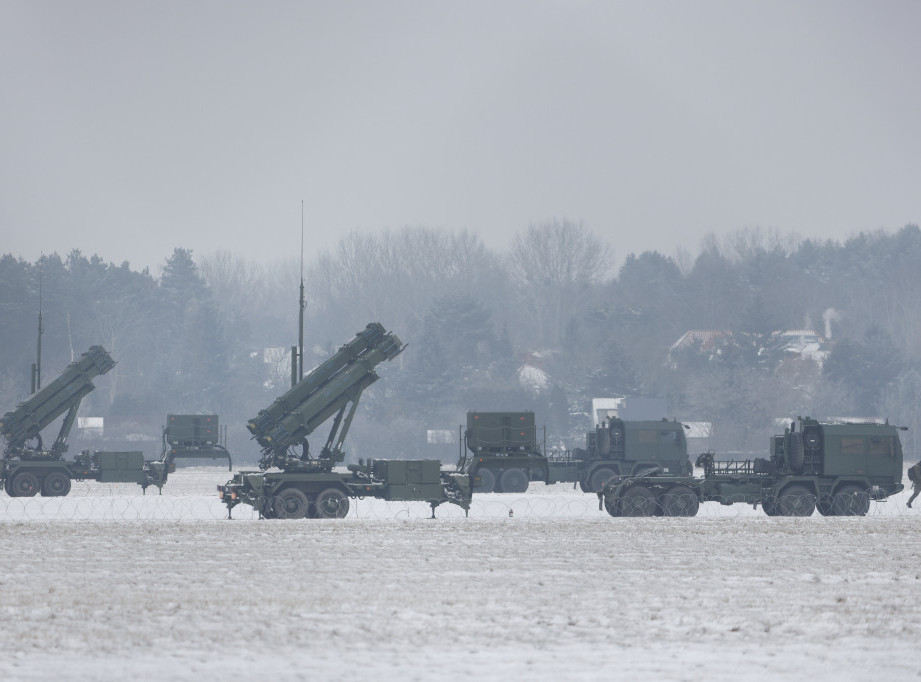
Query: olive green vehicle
pixel 293 485
pixel 28 468
pixel 193 436
pixel 504 455
pixel 624 448
pixel 835 468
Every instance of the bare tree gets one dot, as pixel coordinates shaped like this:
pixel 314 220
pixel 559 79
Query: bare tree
pixel 553 265
pixel 394 276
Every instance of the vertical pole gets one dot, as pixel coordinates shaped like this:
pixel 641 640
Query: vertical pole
pixel 301 305
pixel 293 366
pixel 38 364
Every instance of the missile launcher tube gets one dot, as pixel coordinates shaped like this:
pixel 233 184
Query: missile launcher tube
pixel 42 408
pixel 263 422
pixel 325 391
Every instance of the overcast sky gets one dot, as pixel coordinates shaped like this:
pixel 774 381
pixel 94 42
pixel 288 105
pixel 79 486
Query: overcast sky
pixel 130 128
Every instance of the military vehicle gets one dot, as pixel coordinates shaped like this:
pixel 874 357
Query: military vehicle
pixel 501 452
pixel 193 436
pixel 28 468
pixel 505 454
pixel 836 468
pixel 306 485
pixel 623 448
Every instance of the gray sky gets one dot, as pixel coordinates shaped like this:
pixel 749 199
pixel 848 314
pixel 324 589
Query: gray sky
pixel 130 128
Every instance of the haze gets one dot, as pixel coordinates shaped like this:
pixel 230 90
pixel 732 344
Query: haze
pixel 128 128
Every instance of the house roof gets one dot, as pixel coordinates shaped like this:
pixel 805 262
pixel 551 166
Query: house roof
pixel 708 339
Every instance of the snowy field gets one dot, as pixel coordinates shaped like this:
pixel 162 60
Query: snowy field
pixel 108 584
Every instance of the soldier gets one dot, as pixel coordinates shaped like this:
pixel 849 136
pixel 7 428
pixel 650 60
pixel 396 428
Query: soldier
pixel 914 475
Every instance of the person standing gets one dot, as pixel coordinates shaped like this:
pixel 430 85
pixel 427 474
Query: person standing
pixel 914 475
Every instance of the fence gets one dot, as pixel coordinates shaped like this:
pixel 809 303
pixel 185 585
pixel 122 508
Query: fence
pixel 191 495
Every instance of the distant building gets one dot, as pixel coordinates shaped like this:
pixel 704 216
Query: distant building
pixel 805 344
pixel 629 408
pixel 91 427
pixel 699 435
pixel 707 341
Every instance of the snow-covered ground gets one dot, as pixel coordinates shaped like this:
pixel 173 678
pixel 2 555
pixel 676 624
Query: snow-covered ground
pixel 107 584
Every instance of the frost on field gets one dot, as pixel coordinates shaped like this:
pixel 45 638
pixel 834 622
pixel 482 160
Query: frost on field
pixel 559 590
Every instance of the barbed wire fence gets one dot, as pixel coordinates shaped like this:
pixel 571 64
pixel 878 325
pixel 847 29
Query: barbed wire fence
pixel 191 496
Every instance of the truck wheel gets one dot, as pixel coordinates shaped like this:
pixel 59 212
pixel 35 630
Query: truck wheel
pixel 514 481
pixel 23 484
pixel 638 501
pixel 290 503
pixel 796 500
pixel 487 481
pixel 56 484
pixel 598 478
pixel 679 500
pixel 332 503
pixel 769 507
pixel 612 505
pixel 824 505
pixel 851 500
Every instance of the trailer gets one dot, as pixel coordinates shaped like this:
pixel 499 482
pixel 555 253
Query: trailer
pixel 295 483
pixel 835 468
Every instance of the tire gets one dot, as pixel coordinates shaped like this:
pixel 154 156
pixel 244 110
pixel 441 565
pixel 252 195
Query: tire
pixel 290 503
pixel 638 501
pixel 769 507
pixel 612 506
pixel 599 477
pixel 23 484
pixel 679 500
pixel 56 484
pixel 332 503
pixel 514 481
pixel 796 500
pixel 487 481
pixel 825 506
pixel 851 500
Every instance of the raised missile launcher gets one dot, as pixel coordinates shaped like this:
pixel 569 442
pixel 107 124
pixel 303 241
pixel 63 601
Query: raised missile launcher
pixel 28 468
pixel 330 389
pixel 62 395
pixel 303 485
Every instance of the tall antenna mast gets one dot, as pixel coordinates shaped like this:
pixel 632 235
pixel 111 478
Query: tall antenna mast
pixel 37 367
pixel 303 304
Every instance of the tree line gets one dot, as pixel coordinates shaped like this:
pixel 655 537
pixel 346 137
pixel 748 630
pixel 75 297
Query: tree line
pixel 545 325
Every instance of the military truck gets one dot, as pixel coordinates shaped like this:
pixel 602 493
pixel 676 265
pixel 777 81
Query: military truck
pixel 836 468
pixel 294 483
pixel 193 436
pixel 28 468
pixel 504 453
pixel 501 452
pixel 623 448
